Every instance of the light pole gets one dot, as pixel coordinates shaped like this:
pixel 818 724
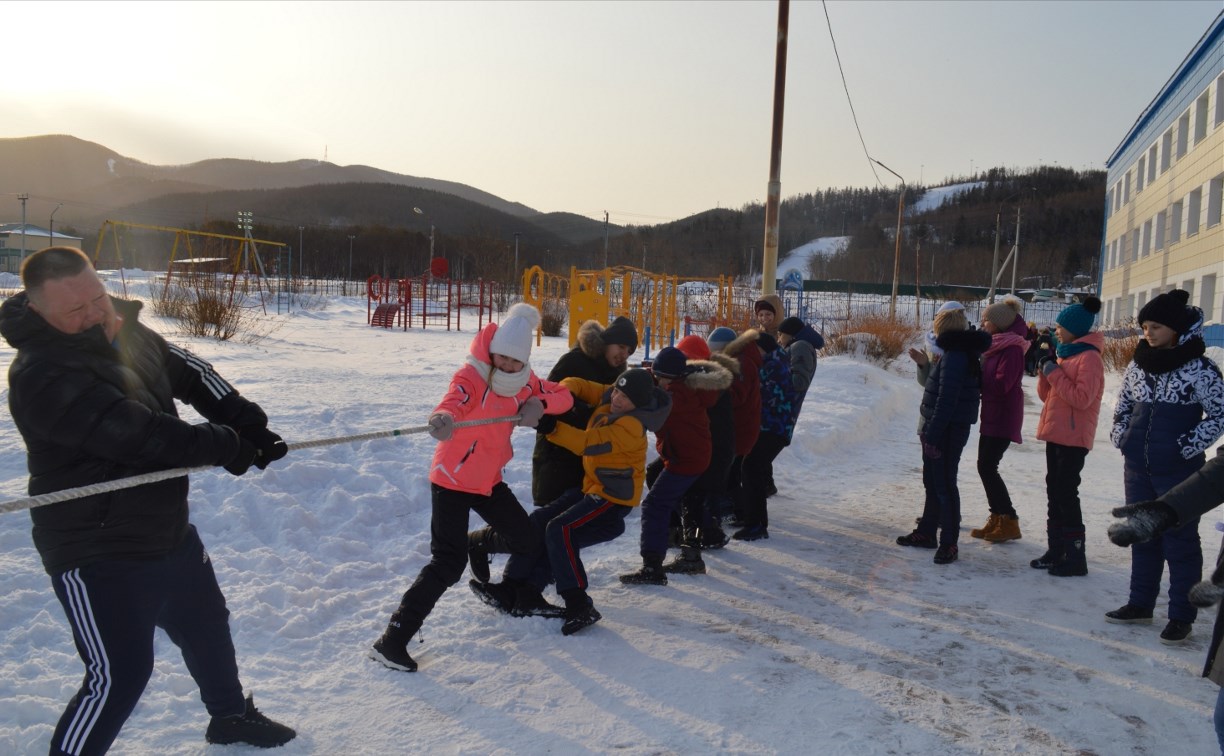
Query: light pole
pixel 51 226
pixel 516 267
pixel 994 265
pixel 892 304
pixel 301 255
pixel 350 273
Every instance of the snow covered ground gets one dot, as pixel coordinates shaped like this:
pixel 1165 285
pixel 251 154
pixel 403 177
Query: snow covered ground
pixel 826 638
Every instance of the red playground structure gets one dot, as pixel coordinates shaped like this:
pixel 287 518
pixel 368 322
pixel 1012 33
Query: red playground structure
pixel 429 299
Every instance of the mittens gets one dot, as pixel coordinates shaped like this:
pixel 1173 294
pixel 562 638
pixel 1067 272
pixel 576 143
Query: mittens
pixel 1143 522
pixel 1206 593
pixel 530 412
pixel 441 426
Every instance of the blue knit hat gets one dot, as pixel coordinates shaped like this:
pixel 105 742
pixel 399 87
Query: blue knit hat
pixel 719 338
pixel 1078 318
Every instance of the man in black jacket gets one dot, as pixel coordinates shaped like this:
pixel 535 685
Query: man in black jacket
pixel 93 392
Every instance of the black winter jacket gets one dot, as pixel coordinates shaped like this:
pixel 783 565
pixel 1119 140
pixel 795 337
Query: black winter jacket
pixel 91 411
pixel 953 392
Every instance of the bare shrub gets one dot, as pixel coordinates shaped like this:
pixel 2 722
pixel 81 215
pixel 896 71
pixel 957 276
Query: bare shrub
pixel 1118 350
pixel 874 337
pixel 211 312
pixel 552 317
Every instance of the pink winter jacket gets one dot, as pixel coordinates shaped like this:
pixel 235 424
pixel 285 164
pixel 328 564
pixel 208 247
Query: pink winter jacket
pixel 1072 395
pixel 472 459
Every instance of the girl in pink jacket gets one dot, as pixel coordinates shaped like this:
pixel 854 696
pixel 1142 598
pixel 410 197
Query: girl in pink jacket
pixel 466 473
pixel 1071 386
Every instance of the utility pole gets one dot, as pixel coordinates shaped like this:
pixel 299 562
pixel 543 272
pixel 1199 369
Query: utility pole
pixel 773 195
pixel 51 226
pixel 516 267
pixel 1016 251
pixel 23 197
pixel 350 273
pixel 301 255
pixel 605 239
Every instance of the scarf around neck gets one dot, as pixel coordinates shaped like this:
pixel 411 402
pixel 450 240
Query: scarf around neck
pixel 1152 360
pixel 503 383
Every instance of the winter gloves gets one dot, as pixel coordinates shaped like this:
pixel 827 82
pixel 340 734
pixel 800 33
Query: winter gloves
pixel 243 459
pixel 1048 364
pixel 270 446
pixel 530 412
pixel 1142 522
pixel 441 426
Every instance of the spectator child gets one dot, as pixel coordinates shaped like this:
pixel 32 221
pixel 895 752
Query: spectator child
pixel 1071 383
pixel 1170 410
pixel 768 312
pixel 496 380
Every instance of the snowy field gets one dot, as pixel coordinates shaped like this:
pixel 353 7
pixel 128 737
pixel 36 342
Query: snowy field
pixel 826 638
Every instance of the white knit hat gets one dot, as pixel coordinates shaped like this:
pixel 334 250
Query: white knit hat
pixel 514 336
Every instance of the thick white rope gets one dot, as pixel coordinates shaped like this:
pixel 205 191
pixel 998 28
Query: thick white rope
pixel 56 497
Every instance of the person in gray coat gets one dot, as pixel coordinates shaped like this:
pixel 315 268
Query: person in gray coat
pixel 1193 497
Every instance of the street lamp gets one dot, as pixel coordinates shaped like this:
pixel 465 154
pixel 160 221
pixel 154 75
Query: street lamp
pixel 419 211
pixel 516 268
pixel 350 273
pixel 301 255
pixel 51 226
pixel 892 304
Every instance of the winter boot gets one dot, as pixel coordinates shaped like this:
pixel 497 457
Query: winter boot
pixel 917 540
pixel 478 554
pixel 1074 561
pixel 688 563
pixel 1054 552
pixel 751 533
pixel 579 611
pixel 1175 633
pixel 251 727
pixel 1007 530
pixel 946 553
pixel 712 537
pixel 992 524
pixel 391 650
pixel 500 596
pixel 530 602
pixel 651 573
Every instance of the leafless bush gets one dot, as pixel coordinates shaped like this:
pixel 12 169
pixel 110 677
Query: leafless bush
pixel 211 312
pixel 1119 348
pixel 552 317
pixel 874 337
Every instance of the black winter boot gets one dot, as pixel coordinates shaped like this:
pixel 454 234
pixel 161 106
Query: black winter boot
pixel 580 612
pixel 688 563
pixel 478 555
pixel 1054 550
pixel 391 650
pixel 252 728
pixel 651 573
pixel 530 602
pixel 1074 561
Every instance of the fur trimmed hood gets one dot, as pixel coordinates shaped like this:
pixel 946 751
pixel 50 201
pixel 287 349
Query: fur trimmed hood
pixel 589 340
pixel 742 341
pixel 707 375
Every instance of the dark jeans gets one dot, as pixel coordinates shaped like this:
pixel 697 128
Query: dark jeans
pixel 942 510
pixel 990 453
pixel 757 475
pixel 657 509
pixel 113 608
pixel 1063 467
pixel 448 547
pixel 1180 547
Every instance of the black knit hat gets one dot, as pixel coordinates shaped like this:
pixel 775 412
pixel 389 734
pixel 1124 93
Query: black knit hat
pixel 791 326
pixel 1170 309
pixel 637 384
pixel 767 342
pixel 670 362
pixel 621 331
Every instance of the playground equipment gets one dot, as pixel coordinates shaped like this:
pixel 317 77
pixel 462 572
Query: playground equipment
pixel 427 300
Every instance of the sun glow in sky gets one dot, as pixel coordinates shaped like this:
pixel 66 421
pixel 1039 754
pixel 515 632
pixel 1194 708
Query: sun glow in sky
pixel 649 110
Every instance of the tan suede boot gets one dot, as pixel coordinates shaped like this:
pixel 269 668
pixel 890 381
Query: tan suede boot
pixel 1008 530
pixel 992 524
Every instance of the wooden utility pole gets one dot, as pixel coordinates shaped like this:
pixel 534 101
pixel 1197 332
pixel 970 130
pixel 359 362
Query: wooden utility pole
pixel 773 197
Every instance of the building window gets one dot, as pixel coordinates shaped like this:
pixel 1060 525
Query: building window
pixel 1183 134
pixel 1194 206
pixel 1200 117
pixel 1160 229
pixel 1215 188
pixel 1166 150
pixel 1126 187
pixel 1175 222
pixel 1219 109
pixel 1113 254
pixel 1147 237
pixel 1188 287
pixel 1134 250
pixel 1151 161
pixel 1140 174
pixel 1140 303
pixel 1207 299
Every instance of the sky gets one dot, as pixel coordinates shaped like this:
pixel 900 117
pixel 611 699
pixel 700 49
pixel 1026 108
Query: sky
pixel 825 638
pixel 649 111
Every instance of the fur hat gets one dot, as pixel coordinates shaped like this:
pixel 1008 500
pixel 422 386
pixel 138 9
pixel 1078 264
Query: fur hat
pixel 637 384
pixel 766 342
pixel 1170 309
pixel 1079 317
pixel 791 326
pixel 719 338
pixel 514 336
pixel 952 319
pixel 670 362
pixel 621 331
pixel 1002 314
pixel 694 347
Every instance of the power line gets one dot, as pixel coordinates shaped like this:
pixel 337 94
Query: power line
pixel 866 152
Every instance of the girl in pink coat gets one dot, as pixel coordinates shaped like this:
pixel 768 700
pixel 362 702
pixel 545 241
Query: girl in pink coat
pixel 465 476
pixel 1071 386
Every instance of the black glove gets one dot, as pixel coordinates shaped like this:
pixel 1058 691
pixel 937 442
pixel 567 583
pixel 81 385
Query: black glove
pixel 547 424
pixel 580 414
pixel 243 459
pixel 1209 593
pixel 271 446
pixel 1047 364
pixel 1142 522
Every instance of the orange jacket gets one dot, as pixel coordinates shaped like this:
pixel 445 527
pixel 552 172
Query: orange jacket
pixel 1072 394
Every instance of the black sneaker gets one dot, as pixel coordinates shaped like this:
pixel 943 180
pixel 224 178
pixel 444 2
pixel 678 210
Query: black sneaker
pixel 576 619
pixel 1129 615
pixel 645 576
pixel 751 533
pixel 478 558
pixel 946 554
pixel 918 540
pixel 497 595
pixel 252 728
pixel 392 655
pixel 531 603
pixel 1175 633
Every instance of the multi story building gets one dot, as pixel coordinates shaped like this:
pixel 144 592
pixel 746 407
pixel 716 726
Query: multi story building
pixel 1165 183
